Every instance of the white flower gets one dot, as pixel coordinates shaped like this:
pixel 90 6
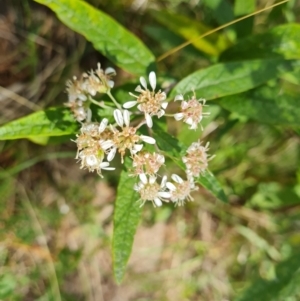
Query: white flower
pixel 150 190
pixel 151 103
pixel 147 163
pixel 126 137
pixel 81 90
pixel 93 161
pixel 191 111
pixel 180 190
pixel 197 158
pixel 93 143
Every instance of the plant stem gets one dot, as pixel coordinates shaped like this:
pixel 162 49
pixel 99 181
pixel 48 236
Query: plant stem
pixel 114 100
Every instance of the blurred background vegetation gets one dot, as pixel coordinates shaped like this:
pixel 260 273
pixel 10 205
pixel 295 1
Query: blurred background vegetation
pixel 56 220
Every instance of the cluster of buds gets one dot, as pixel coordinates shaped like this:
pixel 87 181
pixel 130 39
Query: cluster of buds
pixel 99 142
pixel 81 91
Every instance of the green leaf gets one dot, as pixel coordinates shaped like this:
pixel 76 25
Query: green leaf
pixel 41 140
pixel 293 76
pixel 126 218
pixel 242 7
pixel 190 29
pixel 220 9
pixel 286 281
pixel 167 40
pixel 168 143
pixel 279 42
pixel 265 104
pixel 231 78
pixel 51 122
pixel 108 36
pixel 175 151
pixel 209 181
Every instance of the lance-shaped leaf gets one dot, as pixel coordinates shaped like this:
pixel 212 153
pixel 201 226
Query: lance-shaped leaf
pixel 108 36
pixel 279 42
pixel 51 122
pixel 209 181
pixel 231 78
pixel 175 151
pixel 265 104
pixel 126 217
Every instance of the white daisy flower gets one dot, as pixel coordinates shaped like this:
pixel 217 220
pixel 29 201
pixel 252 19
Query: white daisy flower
pixel 150 190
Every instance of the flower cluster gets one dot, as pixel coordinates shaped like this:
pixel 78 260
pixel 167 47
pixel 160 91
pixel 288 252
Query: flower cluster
pixel 191 111
pixel 82 90
pixel 99 142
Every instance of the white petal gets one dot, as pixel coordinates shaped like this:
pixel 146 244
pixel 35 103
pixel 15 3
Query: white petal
pixel 152 80
pixel 161 159
pixel 143 178
pixel 80 111
pixel 110 71
pixel 148 139
pixel 111 154
pixel 138 89
pixel 89 115
pixel 99 66
pixel 189 121
pixel 111 83
pixel 157 202
pixel 184 105
pixel 126 116
pixel 164 194
pixel 137 148
pixel 152 179
pixel 178 97
pixel 103 125
pixel 171 186
pixel 106 144
pixel 92 91
pixel 131 94
pixel 129 104
pixel 178 116
pixel 140 107
pixel 143 82
pixel 108 168
pixel 104 164
pixel 163 96
pixel 82 97
pixel 176 178
pixel 119 117
pixel 140 185
pixel 149 120
pixel 91 160
pixel 160 113
pixel 163 181
pixel 193 126
pixel 164 105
